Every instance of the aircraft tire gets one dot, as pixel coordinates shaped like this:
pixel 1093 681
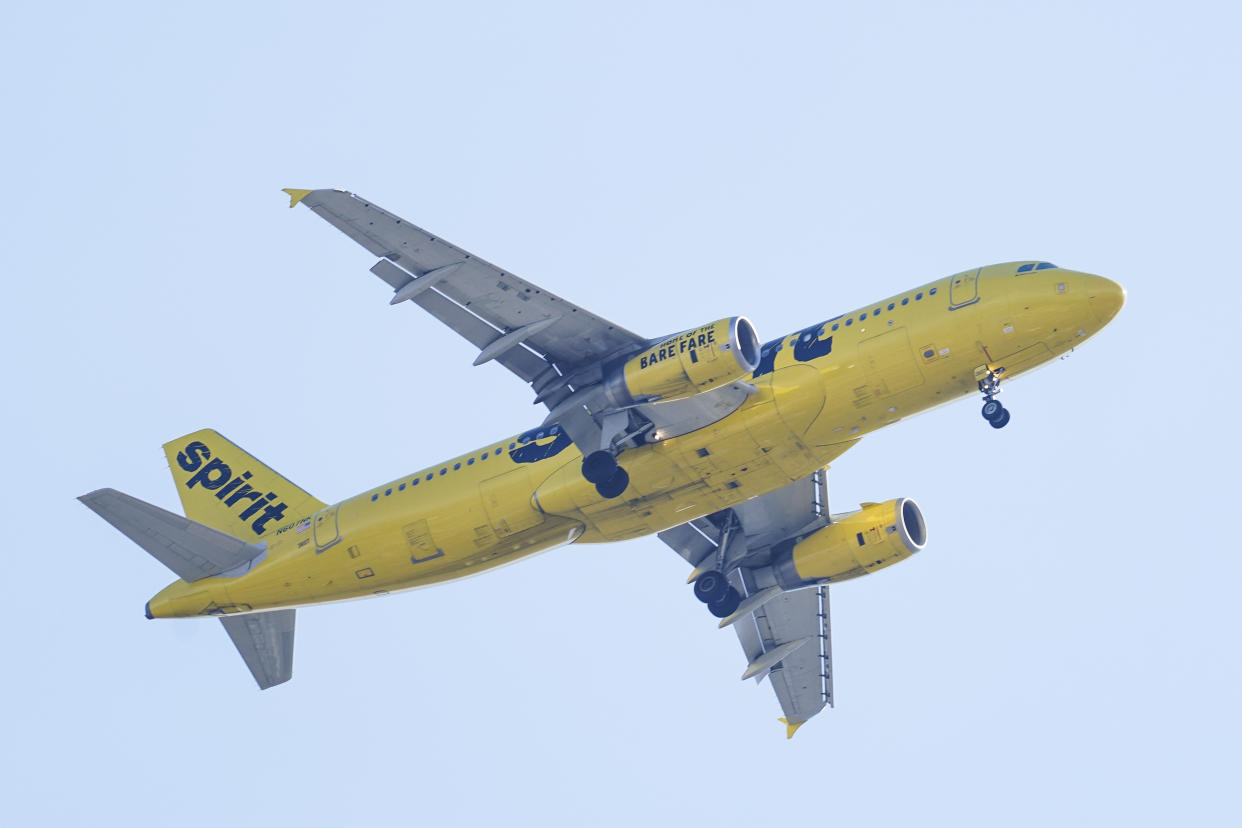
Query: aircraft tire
pixel 711 586
pixel 992 411
pixel 614 486
pixel 598 467
pixel 727 605
pixel 1002 420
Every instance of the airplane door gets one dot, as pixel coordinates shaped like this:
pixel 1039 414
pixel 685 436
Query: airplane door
pixel 421 545
pixel 890 363
pixel 964 289
pixel 507 501
pixel 326 530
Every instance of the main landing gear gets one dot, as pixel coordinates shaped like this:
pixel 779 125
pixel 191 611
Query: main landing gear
pixel 600 468
pixel 995 413
pixel 713 589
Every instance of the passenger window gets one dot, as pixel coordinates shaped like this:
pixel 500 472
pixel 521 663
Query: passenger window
pixel 875 312
pixel 443 472
pixel 387 492
pixel 470 462
pixel 918 296
pixel 849 322
pixel 414 482
pixel 401 488
pixel 932 292
pixel 456 466
pixel 835 325
pixel 890 305
pixel 374 498
pixel 430 476
pixel 905 301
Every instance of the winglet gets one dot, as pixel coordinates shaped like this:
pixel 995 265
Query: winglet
pixel 295 196
pixel 790 729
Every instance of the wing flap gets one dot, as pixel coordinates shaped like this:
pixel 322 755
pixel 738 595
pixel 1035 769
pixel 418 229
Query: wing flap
pixel 265 642
pixel 479 333
pixel 802 676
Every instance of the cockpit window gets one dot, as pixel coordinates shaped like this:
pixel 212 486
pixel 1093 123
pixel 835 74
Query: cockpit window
pixel 1027 268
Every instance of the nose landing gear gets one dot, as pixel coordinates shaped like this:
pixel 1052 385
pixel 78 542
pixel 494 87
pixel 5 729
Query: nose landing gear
pixel 989 383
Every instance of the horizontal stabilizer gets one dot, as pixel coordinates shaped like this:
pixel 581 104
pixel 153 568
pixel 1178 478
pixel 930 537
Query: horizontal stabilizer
pixel 191 550
pixel 265 641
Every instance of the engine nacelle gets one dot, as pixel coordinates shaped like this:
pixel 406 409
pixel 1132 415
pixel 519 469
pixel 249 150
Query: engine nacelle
pixel 687 363
pixel 854 544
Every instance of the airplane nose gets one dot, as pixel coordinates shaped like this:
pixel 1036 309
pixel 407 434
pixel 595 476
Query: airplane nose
pixel 1105 297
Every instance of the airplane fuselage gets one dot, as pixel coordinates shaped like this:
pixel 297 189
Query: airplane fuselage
pixel 816 392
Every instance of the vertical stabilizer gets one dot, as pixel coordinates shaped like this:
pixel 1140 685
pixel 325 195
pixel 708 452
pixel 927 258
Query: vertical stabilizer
pixel 224 487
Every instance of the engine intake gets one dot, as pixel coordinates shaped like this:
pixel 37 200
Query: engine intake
pixel 687 363
pixel 854 544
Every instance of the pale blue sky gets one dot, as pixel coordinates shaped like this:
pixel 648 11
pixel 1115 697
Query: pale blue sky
pixel 1065 650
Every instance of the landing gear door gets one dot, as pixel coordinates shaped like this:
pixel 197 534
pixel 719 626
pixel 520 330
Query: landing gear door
pixel 326 530
pixel 964 289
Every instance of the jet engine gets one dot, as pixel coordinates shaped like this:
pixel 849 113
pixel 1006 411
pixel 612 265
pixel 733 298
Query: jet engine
pixel 687 363
pixel 854 544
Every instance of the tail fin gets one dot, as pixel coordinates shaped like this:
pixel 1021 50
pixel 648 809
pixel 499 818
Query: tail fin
pixel 225 488
pixel 265 641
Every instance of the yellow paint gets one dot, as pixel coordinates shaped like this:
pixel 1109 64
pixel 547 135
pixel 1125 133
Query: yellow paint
pixel 485 508
pixel 854 544
pixel 295 196
pixel 683 365
pixel 219 483
pixel 790 729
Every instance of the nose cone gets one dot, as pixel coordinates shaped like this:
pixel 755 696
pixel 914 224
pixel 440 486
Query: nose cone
pixel 1105 297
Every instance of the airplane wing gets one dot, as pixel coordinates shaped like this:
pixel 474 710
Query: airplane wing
pixel 534 333
pixel 557 347
pixel 785 635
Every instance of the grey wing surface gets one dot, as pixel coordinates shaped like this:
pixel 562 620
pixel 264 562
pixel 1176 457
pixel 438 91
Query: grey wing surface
pixel 265 641
pixel 785 635
pixel 191 550
pixel 789 640
pixel 534 333
pixel 560 349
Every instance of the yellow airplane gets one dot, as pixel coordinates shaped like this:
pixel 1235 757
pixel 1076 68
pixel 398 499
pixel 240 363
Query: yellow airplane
pixel 718 443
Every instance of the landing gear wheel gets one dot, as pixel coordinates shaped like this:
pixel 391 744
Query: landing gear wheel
pixel 710 587
pixel 615 485
pixel 727 605
pixel 992 410
pixel 1002 420
pixel 598 467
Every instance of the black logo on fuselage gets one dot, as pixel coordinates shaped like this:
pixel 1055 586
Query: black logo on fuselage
pixel 531 450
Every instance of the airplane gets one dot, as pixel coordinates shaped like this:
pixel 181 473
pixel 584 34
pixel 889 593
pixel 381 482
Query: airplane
pixel 716 442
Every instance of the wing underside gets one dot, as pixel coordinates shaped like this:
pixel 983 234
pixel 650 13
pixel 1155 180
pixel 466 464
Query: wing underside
pixel 561 350
pixel 786 636
pixel 531 331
